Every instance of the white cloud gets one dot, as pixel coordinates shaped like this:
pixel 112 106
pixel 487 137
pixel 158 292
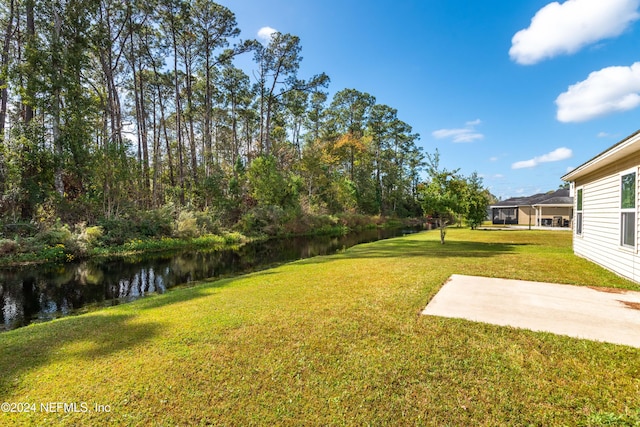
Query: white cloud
pixel 265 33
pixel 493 159
pixel 570 168
pixel 524 164
pixel 466 134
pixel 566 28
pixel 556 155
pixel 609 90
pixel 603 135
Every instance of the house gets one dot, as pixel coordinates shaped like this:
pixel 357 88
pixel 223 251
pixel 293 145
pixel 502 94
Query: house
pixel 553 209
pixel 606 208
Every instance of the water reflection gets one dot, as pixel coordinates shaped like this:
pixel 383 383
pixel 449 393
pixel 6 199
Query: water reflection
pixel 42 293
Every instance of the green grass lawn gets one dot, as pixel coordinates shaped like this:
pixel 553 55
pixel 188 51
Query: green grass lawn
pixel 333 340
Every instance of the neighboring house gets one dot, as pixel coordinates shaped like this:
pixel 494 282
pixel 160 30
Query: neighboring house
pixel 553 209
pixel 606 206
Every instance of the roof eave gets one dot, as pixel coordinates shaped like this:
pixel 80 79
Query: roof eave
pixel 610 155
pixel 554 205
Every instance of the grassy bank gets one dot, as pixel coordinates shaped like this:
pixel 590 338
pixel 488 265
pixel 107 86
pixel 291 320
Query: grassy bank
pixel 159 231
pixel 334 340
pixel 61 253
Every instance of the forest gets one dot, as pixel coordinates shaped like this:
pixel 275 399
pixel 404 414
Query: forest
pixel 130 118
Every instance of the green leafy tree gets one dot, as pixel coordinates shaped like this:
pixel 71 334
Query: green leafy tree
pixel 478 198
pixel 110 108
pixel 443 196
pixel 348 116
pixel 380 130
pixel 268 186
pixel 279 62
pixel 214 27
pixel 316 115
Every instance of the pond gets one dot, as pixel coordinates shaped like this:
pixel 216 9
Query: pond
pixel 40 293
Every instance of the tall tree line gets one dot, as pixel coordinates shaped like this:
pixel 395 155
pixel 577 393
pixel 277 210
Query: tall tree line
pixel 110 107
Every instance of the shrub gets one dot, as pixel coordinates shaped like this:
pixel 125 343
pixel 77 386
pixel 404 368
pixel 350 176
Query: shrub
pixel 267 220
pixel 8 246
pixel 186 225
pixel 208 222
pixel 314 224
pixel 58 234
pixel 153 223
pixel 357 221
pixel 326 224
pixel 18 229
pixel 54 254
pixel 92 234
pixel 234 237
pixel 87 237
pixel 116 231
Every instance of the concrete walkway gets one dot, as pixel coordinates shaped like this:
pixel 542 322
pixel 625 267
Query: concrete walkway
pixel 600 314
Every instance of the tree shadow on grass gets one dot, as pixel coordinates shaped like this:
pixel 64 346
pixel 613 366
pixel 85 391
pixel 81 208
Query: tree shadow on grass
pixel 95 335
pixel 89 336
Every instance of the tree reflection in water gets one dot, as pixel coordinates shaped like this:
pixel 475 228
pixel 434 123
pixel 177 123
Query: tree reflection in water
pixel 40 293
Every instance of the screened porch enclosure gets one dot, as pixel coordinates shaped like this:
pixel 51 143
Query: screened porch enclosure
pixel 505 215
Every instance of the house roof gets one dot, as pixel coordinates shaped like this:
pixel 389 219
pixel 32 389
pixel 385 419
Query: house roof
pixel 556 198
pixel 618 151
pixel 557 201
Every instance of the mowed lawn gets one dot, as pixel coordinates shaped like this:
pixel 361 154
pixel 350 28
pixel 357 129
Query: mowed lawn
pixel 332 340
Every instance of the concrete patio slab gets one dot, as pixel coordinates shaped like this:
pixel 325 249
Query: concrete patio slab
pixel 600 314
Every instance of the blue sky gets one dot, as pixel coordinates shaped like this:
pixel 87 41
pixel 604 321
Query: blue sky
pixel 518 91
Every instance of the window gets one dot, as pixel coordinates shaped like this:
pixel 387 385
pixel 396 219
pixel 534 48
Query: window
pixel 579 212
pixel 628 210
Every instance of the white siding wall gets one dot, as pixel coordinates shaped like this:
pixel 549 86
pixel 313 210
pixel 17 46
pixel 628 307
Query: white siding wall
pixel 600 240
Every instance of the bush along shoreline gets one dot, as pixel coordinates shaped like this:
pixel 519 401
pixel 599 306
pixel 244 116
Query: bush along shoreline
pixel 164 231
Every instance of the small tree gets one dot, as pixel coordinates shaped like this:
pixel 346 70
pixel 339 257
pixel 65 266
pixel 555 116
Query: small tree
pixel 478 199
pixel 443 196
